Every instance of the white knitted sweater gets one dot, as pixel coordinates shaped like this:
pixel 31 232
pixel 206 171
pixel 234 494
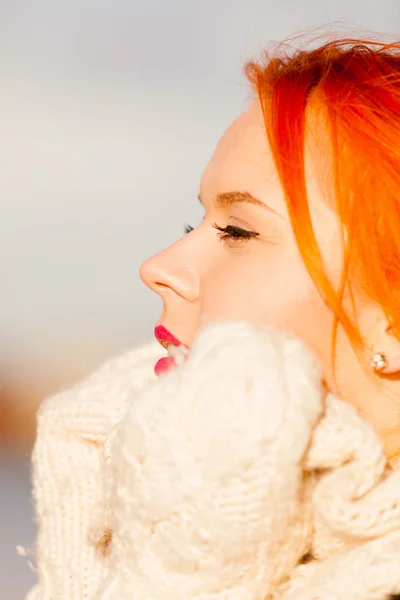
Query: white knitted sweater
pixel 232 477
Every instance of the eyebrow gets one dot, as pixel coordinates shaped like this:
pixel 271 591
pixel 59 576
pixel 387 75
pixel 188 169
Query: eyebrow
pixel 226 199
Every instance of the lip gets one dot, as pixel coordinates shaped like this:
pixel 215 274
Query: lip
pixel 165 337
pixel 164 364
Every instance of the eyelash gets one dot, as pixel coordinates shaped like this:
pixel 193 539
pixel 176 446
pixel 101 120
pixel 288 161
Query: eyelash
pixel 230 232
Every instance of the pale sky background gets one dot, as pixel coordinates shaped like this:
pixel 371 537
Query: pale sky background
pixel 109 111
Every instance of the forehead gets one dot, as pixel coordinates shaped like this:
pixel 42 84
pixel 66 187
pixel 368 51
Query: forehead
pixel 242 159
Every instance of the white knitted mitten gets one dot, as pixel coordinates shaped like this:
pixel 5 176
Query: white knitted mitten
pixel 67 477
pixel 207 490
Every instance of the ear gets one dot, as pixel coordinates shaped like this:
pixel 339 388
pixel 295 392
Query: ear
pixel 385 346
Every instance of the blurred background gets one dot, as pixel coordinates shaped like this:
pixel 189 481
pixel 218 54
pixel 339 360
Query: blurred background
pixel 109 111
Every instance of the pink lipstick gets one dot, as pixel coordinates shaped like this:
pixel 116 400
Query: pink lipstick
pixel 167 340
pixel 165 337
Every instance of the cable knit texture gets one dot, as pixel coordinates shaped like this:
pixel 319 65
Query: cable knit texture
pixel 232 477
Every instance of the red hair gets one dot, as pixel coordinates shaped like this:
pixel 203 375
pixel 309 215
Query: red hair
pixel 358 83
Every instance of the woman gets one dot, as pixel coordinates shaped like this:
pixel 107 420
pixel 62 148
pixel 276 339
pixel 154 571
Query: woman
pixel 263 466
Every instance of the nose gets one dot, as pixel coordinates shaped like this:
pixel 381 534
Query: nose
pixel 171 272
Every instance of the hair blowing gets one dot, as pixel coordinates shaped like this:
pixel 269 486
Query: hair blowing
pixel 358 83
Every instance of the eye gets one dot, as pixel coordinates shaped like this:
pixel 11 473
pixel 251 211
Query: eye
pixel 188 228
pixel 234 234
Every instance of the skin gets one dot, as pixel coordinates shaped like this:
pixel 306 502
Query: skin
pixel 203 278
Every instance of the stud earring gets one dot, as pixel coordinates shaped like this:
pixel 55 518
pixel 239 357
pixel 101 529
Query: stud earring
pixel 379 362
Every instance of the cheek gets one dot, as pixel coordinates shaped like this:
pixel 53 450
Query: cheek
pixel 275 291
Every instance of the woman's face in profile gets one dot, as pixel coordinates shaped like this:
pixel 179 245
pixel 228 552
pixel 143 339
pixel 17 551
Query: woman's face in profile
pixel 242 261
